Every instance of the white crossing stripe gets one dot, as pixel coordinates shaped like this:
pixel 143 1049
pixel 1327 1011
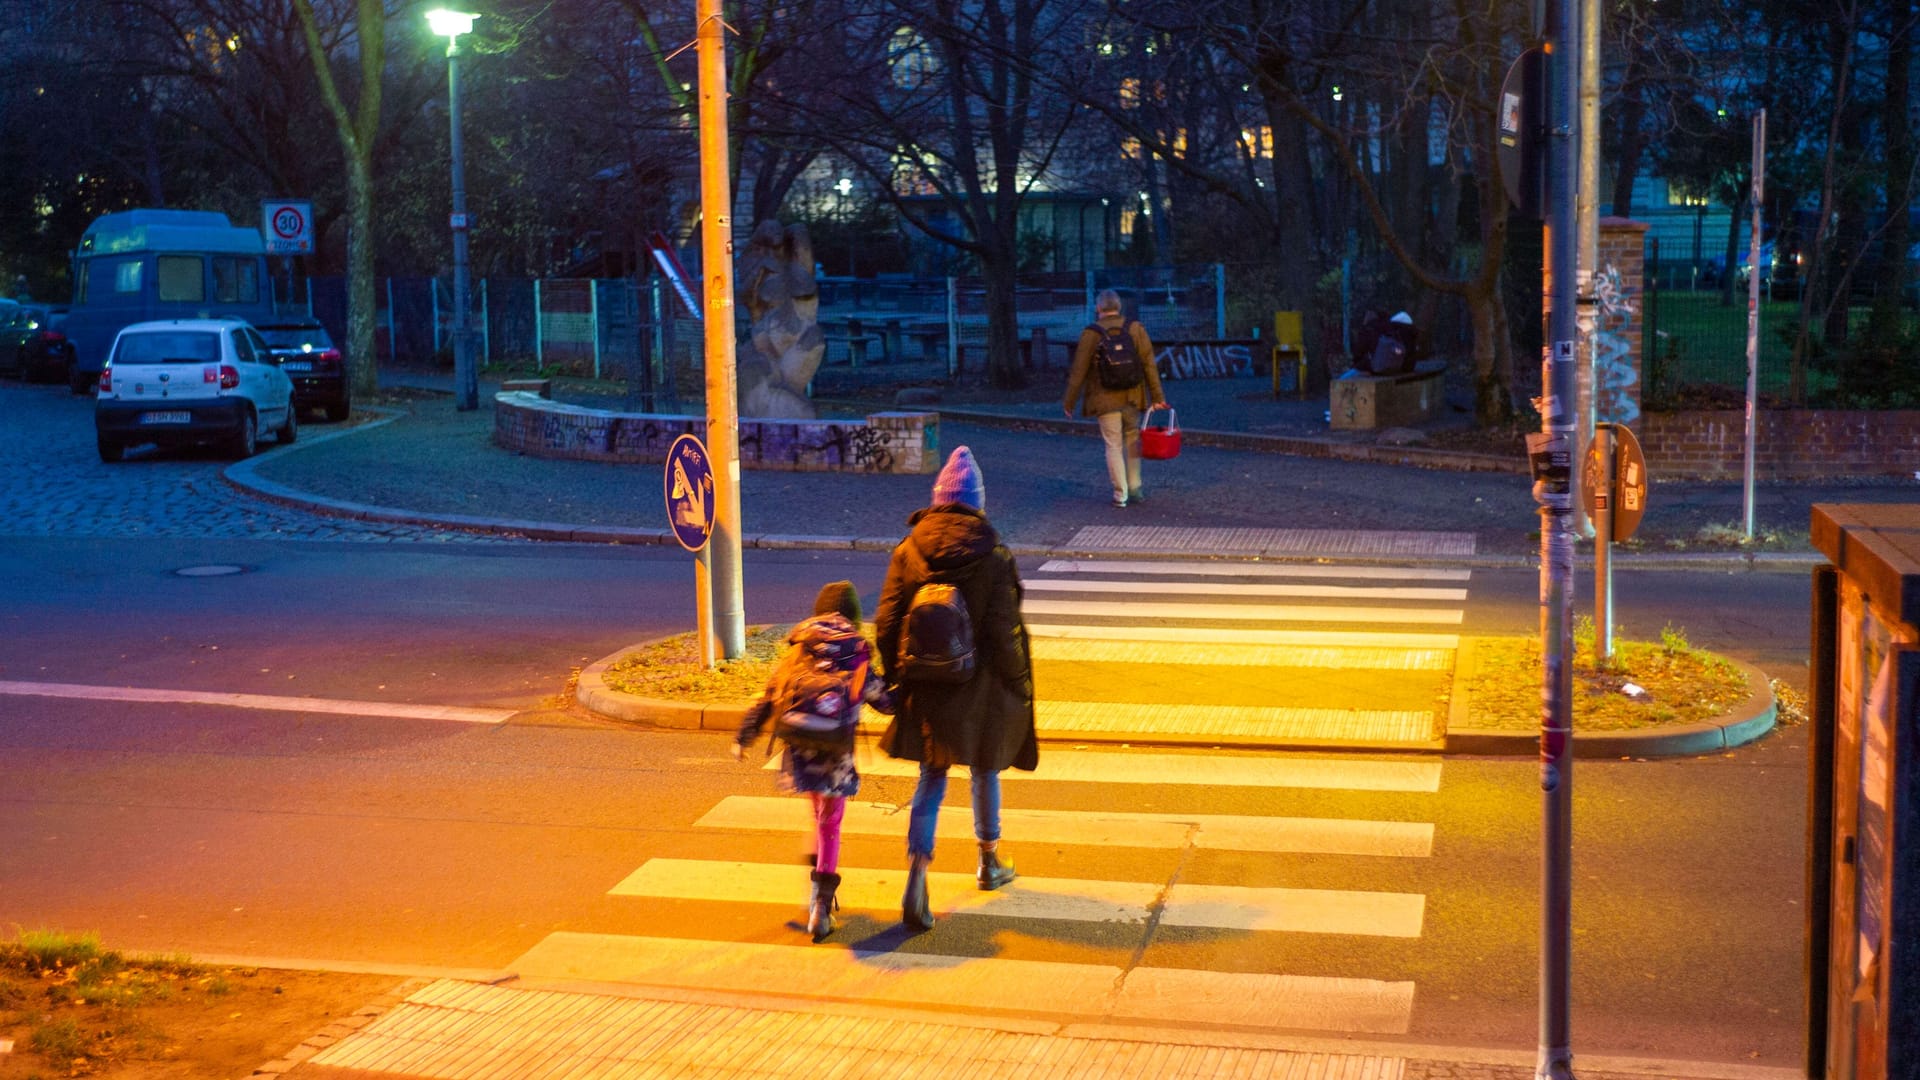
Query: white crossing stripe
pixel 1238 612
pixel 1232 636
pixel 1226 568
pixel 1102 828
pixel 1125 767
pixel 879 890
pixel 1202 654
pixel 1235 721
pixel 1267 541
pixel 1308 911
pixel 265 702
pixel 1165 996
pixel 1190 588
pixel 1218 907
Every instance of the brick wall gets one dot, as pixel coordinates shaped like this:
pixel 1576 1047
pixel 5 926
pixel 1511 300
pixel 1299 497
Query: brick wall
pixel 887 442
pixel 1789 444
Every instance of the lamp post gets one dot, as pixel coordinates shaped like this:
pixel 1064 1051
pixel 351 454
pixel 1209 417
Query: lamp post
pixel 466 382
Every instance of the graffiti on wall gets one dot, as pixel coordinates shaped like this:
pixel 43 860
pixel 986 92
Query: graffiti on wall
pixel 1204 359
pixel 1616 370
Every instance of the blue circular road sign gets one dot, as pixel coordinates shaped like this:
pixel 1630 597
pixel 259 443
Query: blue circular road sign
pixel 690 501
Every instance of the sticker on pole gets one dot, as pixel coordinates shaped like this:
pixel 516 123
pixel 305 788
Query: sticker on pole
pixel 288 227
pixel 690 502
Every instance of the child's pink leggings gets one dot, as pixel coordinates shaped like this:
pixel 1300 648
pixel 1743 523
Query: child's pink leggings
pixel 827 811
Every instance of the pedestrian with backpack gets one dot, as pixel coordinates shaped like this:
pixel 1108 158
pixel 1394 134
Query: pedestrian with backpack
pixel 812 702
pixel 955 654
pixel 1114 379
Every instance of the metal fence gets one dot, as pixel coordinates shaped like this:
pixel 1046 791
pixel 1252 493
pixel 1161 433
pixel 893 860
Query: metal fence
pixel 637 331
pixel 1695 340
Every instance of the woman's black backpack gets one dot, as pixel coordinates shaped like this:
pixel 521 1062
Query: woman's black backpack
pixel 936 637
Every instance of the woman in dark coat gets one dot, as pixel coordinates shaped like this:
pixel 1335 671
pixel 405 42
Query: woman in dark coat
pixel 984 723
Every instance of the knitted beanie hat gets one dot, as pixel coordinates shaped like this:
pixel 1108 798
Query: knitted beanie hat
pixel 838 598
pixel 960 481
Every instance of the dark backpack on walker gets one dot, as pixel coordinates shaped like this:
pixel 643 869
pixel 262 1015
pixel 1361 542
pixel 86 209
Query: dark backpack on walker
pixel 1116 360
pixel 936 637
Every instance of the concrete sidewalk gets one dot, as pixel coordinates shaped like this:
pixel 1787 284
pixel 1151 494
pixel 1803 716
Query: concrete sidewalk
pixel 1253 462
pixel 448 1028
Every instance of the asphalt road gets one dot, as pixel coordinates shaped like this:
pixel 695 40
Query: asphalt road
pixel 403 841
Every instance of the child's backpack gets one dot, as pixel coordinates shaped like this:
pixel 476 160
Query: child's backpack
pixel 819 686
pixel 936 637
pixel 1116 360
pixel 1389 355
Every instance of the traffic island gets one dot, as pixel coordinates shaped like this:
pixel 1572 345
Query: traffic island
pixel 1658 700
pixel 1692 701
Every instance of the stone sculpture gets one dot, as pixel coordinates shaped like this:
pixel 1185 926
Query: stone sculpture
pixel 775 281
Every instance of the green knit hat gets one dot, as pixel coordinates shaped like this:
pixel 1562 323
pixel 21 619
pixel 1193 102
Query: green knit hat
pixel 838 598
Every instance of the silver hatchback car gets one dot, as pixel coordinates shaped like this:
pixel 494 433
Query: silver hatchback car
pixel 184 381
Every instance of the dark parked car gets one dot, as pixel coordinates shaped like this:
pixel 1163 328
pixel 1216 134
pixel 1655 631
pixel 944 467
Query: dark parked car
pixel 31 348
pixel 310 358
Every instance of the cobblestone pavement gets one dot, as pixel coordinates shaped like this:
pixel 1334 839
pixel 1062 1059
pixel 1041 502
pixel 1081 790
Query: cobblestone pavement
pixel 53 483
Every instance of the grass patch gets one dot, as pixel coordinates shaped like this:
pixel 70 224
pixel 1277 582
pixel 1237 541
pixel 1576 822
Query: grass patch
pixel 1677 684
pixel 670 668
pixel 73 1008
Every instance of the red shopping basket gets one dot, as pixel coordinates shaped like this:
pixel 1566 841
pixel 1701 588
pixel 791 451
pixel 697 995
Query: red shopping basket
pixel 1159 444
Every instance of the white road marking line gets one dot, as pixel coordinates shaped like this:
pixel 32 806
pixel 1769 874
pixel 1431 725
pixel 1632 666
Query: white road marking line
pixel 266 702
pixel 1165 996
pixel 1124 767
pixel 1218 907
pixel 1239 612
pixel 1158 995
pixel 1192 588
pixel 879 890
pixel 1102 828
pixel 1267 541
pixel 1308 911
pixel 1057 718
pixel 1235 636
pixel 1201 654
pixel 1147 567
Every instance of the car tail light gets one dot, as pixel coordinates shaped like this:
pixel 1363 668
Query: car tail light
pixel 328 357
pixel 106 379
pixel 52 336
pixel 229 376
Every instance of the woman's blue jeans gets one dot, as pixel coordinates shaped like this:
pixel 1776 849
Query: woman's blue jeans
pixel 926 808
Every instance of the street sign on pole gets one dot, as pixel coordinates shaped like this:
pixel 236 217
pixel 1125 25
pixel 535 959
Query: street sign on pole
pixel 1617 487
pixel 690 512
pixel 690 503
pixel 287 226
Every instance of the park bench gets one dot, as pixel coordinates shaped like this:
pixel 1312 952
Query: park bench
pixel 854 346
pixel 1366 402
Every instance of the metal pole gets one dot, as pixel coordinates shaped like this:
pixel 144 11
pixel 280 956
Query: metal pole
pixel 723 408
pixel 1753 314
pixel 1587 231
pixel 1559 413
pixel 953 328
pixel 1219 300
pixel 1603 509
pixel 466 386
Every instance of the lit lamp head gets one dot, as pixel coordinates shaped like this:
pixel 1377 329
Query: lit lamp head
pixel 450 24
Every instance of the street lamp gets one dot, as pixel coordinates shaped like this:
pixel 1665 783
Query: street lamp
pixel 466 383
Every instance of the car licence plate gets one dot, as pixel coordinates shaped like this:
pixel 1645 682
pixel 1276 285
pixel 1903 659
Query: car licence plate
pixel 175 417
pixel 297 365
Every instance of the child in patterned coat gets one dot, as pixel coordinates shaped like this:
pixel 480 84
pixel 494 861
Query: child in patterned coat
pixel 829 641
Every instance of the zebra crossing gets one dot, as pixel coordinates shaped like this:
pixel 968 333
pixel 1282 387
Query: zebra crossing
pixel 1137 903
pixel 1330 654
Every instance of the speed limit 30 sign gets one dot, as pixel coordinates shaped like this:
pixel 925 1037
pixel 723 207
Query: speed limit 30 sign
pixel 288 227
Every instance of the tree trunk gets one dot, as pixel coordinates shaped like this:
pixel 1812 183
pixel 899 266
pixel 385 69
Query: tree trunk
pixel 362 308
pixel 1492 404
pixel 997 265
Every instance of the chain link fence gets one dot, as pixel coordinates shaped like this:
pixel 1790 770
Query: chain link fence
pixel 637 331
